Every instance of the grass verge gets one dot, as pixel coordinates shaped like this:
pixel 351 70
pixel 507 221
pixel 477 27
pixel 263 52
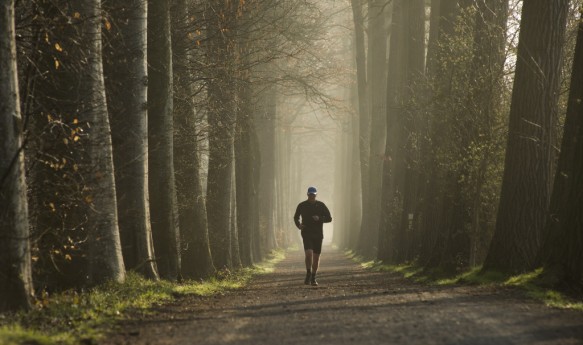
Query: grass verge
pixel 72 318
pixel 531 283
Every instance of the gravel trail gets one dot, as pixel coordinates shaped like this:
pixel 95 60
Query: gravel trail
pixel 351 306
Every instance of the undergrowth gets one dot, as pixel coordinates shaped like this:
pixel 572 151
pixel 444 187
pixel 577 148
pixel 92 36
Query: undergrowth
pixel 531 283
pixel 74 317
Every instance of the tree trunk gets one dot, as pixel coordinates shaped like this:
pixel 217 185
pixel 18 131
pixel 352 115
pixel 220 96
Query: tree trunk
pixel 363 100
pixel 441 26
pixel 406 66
pixel 415 43
pixel 16 288
pixel 105 255
pixel 266 134
pixel 527 177
pixel 163 198
pixel 377 79
pixel 235 254
pixel 196 259
pixel 562 250
pixel 484 98
pixel 246 168
pixel 256 240
pixel 221 119
pixel 392 174
pixel 127 94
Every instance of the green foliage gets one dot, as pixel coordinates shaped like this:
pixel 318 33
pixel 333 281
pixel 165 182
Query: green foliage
pixel 71 316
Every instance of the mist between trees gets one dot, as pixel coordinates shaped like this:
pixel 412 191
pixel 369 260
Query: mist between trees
pixel 175 138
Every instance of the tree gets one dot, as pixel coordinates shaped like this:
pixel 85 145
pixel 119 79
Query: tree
pixel 105 255
pixel 392 184
pixel 439 57
pixel 561 253
pixel 363 114
pixel 16 287
pixel 196 255
pixel 376 76
pixel 127 92
pixel 163 199
pixel 485 94
pixel 246 162
pixel 528 166
pixel 406 66
pixel 221 119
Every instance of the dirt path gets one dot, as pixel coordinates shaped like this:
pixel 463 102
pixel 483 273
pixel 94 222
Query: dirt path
pixel 352 306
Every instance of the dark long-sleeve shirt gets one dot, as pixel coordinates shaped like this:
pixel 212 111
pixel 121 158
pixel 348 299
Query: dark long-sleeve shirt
pixel 306 210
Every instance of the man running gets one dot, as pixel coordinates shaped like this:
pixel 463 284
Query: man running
pixel 314 214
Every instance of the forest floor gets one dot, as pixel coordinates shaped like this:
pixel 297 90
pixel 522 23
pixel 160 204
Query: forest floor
pixel 351 305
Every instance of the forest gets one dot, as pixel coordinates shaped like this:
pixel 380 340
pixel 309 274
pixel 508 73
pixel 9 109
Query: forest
pixel 174 138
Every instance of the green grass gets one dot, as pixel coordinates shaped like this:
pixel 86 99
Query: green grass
pixel 70 317
pixel 531 282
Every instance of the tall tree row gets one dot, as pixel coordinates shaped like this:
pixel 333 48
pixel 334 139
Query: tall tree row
pixel 449 200
pixel 122 103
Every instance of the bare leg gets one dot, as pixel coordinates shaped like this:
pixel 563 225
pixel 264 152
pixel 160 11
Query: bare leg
pixel 309 256
pixel 315 263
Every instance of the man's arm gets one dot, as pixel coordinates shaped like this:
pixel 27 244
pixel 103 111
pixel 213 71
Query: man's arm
pixel 326 217
pixel 297 218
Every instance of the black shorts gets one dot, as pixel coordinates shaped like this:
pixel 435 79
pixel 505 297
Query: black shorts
pixel 312 242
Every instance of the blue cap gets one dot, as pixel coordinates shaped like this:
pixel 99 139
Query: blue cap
pixel 312 190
